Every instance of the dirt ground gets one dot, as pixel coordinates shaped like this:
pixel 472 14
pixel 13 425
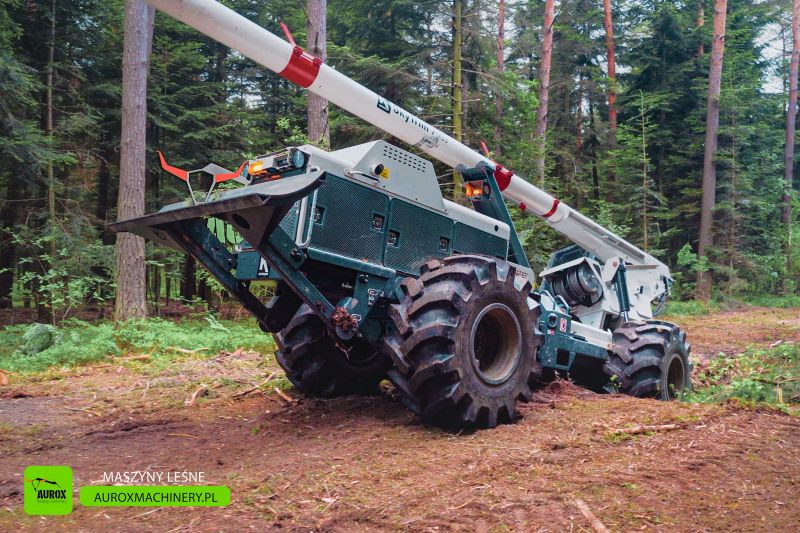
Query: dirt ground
pixel 366 464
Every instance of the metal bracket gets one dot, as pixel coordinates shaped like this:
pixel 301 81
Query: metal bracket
pixel 494 206
pixel 283 255
pixel 197 241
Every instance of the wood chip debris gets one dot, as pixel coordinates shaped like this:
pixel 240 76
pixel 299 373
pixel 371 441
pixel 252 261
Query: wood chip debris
pixel 640 428
pixel 255 388
pixel 202 390
pixel 285 397
pixel 585 511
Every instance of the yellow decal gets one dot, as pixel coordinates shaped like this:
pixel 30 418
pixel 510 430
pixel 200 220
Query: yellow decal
pixel 384 173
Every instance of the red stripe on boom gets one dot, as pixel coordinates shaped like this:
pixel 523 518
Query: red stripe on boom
pixel 552 211
pixel 502 176
pixel 302 68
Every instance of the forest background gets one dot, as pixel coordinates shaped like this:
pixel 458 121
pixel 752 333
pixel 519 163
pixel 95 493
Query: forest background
pixel 622 140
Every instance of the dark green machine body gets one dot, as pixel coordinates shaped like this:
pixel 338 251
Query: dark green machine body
pixel 378 277
pixel 352 221
pixel 359 243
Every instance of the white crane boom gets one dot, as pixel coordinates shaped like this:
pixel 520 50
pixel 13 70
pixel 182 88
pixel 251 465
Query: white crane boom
pixel 291 62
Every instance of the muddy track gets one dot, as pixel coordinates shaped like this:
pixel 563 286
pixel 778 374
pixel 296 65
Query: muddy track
pixel 366 464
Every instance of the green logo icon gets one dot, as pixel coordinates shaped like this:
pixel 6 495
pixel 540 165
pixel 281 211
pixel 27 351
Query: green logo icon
pixel 48 490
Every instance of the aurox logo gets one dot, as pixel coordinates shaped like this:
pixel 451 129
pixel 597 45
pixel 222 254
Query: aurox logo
pixel 48 490
pixel 47 494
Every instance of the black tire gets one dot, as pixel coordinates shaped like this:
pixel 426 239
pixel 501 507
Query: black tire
pixel 650 360
pixel 465 344
pixel 320 367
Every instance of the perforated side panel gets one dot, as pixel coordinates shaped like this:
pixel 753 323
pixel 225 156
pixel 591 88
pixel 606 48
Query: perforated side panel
pixel 289 222
pixel 420 233
pixel 346 220
pixel 469 240
pixel 405 158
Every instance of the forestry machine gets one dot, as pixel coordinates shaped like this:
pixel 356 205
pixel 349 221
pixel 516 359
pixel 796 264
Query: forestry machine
pixel 380 277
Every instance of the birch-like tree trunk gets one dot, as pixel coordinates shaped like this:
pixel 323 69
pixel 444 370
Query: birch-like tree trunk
pixel 544 85
pixel 131 297
pixel 318 130
pixel 706 241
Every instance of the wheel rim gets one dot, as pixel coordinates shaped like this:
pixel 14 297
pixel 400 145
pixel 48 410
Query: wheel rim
pixel 676 377
pixel 495 344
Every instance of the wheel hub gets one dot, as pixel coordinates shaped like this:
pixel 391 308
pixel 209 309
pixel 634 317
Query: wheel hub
pixel 676 377
pixel 496 344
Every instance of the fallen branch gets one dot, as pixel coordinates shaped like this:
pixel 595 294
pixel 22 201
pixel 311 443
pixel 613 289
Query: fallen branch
pixel 147 388
pixel 253 389
pixel 182 435
pixel 202 390
pixel 285 397
pixel 81 410
pixel 585 511
pixel 184 350
pixel 639 429
pixel 778 381
pixel 145 357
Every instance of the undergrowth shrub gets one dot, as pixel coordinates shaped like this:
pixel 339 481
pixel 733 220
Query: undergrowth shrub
pixel 78 342
pixel 758 376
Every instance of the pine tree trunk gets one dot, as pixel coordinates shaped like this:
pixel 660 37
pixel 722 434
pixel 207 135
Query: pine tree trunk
pixel 498 99
pixel 131 301
pixel 611 58
pixel 188 282
pixel 701 22
pixel 706 241
pixel 318 130
pixel 608 23
pixel 791 118
pixel 544 85
pixel 51 181
pixel 9 255
pixel 458 100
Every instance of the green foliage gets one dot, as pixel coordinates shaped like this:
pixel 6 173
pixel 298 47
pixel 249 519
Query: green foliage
pixel 39 346
pixel 780 302
pixel 207 103
pixel 760 375
pixel 38 338
pixel 689 308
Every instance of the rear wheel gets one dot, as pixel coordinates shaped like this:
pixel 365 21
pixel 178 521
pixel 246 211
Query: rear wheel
pixel 650 360
pixel 317 365
pixel 465 343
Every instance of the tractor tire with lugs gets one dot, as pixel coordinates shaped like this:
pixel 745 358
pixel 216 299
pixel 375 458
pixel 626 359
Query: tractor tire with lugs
pixel 650 360
pixel 318 366
pixel 465 344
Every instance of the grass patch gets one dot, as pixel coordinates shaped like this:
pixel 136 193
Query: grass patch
pixel 690 308
pixel 781 302
pixel 77 342
pixel 760 376
pixel 698 308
